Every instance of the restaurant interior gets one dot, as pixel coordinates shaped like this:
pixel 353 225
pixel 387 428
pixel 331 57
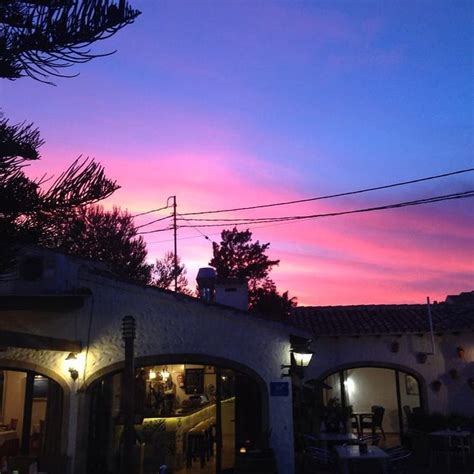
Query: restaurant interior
pixel 189 417
pixel 30 414
pixel 362 388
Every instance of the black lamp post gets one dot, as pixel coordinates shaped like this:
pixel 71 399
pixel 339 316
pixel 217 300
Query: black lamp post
pixel 128 394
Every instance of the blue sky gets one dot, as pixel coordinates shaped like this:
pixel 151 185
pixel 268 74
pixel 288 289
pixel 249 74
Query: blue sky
pixel 239 103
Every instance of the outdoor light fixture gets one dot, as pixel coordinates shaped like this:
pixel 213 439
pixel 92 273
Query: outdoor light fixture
pixel 300 356
pixel 151 375
pixel 72 365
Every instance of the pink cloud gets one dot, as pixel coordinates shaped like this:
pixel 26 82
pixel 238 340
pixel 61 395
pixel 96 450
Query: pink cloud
pixel 390 256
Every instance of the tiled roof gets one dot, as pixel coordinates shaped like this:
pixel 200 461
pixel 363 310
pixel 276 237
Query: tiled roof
pixel 383 319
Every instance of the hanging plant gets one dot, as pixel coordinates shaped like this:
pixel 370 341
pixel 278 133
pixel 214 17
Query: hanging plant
pixel 436 385
pixel 454 374
pixel 422 356
pixel 395 346
pixel 470 382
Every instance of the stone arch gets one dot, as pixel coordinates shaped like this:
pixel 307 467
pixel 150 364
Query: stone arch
pixel 382 365
pixel 12 364
pixel 161 359
pixel 23 366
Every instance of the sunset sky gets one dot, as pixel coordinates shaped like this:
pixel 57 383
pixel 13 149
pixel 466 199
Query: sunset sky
pixel 239 103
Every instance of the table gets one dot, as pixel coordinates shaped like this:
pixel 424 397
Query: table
pixel 7 436
pixel 359 415
pixel 342 437
pixel 331 439
pixel 346 454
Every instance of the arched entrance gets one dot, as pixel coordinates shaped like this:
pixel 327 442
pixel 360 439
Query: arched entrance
pixel 31 409
pixel 192 412
pixel 359 387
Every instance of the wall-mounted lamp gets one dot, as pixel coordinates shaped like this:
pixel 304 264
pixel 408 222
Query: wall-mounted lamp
pixel 73 365
pixel 151 375
pixel 300 355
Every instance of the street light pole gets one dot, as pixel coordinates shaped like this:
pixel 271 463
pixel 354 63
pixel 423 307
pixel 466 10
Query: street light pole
pixel 128 394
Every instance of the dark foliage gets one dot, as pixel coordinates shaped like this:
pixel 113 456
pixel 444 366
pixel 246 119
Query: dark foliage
pixel 163 274
pixel 236 256
pixel 39 38
pixel 267 300
pixel 106 236
pixel 27 206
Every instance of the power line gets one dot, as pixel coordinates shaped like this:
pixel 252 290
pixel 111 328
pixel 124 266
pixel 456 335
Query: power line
pixel 149 212
pixel 446 197
pixel 153 222
pixel 155 231
pixel 330 196
pixel 197 230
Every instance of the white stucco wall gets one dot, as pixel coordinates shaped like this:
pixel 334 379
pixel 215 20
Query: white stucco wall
pixel 167 324
pixel 454 395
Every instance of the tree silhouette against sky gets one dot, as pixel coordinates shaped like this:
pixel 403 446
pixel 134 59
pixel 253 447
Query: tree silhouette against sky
pixel 38 39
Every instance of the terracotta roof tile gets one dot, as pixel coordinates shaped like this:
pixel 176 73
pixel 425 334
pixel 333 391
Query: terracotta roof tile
pixel 382 319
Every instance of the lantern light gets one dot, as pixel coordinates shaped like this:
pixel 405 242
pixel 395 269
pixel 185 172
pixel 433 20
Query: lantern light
pixel 302 357
pixel 73 365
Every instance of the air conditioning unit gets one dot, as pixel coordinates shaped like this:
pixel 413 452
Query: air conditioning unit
pixel 40 272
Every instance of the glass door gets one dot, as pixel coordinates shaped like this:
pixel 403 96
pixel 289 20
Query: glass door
pixel 225 429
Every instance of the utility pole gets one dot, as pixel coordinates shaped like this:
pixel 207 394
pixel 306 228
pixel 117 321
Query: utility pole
pixel 175 231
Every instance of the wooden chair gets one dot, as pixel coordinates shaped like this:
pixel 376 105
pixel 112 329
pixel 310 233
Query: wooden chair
pixel 355 424
pixel 373 421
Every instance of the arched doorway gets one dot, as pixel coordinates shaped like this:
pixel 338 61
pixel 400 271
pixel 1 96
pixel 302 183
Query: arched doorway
pixel 192 413
pixel 31 408
pixel 359 387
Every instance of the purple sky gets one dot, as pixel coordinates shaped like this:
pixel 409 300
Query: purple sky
pixel 229 104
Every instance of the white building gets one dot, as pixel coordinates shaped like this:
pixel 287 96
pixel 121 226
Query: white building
pixel 202 368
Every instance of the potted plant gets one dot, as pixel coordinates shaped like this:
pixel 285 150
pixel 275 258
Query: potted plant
pixel 335 415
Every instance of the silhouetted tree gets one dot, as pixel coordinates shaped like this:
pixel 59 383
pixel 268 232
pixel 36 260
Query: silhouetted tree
pixel 268 300
pixel 27 205
pixel 236 256
pixel 163 274
pixel 39 38
pixel 107 236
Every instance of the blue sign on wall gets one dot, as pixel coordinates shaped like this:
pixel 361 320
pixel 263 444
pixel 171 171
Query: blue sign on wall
pixel 279 389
